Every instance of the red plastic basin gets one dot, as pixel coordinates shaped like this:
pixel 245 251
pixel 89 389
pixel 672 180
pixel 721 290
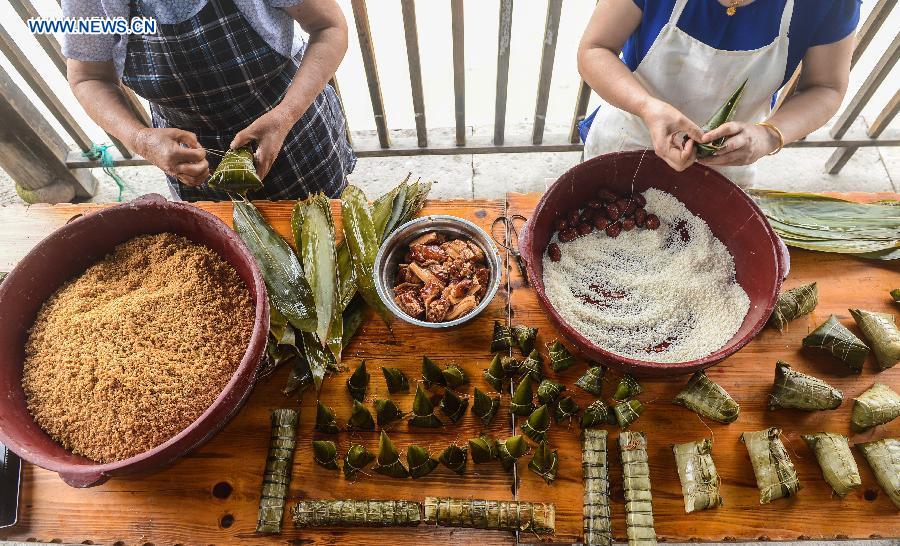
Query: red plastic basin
pixel 66 253
pixel 760 258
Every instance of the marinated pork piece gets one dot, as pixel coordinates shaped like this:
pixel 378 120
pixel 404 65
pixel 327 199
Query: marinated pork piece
pixel 430 238
pixel 410 304
pixel 437 310
pixel 430 292
pixel 427 254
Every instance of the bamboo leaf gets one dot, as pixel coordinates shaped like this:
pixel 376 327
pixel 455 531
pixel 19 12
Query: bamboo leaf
pixel 724 114
pixel 236 173
pixel 359 232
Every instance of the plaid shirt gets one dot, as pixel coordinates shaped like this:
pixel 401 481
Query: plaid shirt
pixel 213 75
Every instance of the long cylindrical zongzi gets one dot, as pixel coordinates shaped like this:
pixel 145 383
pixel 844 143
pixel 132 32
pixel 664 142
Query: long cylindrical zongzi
pixel 357 513
pixel 596 516
pixel 277 477
pixel 884 458
pixel 698 475
pixel 877 406
pixel 835 459
pixel 882 333
pixel 705 397
pixel 489 514
pixel 794 303
pixel 638 499
pixel 774 471
pixel 793 389
pixel 834 338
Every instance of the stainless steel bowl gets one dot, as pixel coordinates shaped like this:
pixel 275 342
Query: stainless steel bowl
pixel 394 248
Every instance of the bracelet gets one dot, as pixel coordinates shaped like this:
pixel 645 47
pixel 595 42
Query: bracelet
pixel 778 132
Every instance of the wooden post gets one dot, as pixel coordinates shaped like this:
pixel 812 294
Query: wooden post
pixel 33 154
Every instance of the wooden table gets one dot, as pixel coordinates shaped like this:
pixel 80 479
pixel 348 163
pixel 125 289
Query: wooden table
pixel 179 504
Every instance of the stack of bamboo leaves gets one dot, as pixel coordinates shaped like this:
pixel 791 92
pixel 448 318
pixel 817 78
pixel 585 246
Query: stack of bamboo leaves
pixel 830 224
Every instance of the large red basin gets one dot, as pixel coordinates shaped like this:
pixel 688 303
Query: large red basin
pixel 68 252
pixel 760 258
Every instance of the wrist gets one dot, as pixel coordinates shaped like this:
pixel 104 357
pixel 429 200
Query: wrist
pixel 137 141
pixel 284 117
pixel 774 139
pixel 644 106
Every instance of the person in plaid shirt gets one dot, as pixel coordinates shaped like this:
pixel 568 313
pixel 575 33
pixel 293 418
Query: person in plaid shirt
pixel 220 74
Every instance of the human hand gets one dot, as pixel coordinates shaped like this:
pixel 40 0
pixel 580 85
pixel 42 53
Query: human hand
pixel 668 127
pixel 268 131
pixel 746 143
pixel 176 152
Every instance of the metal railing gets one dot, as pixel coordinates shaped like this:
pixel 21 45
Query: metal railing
pixel 840 137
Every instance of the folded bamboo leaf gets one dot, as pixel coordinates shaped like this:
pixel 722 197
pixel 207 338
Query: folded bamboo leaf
pixel 396 380
pixel 705 397
pixel 533 366
pixel 360 418
pixel 454 376
pixel 493 374
pixel 545 462
pixel 627 412
pixel 431 373
pixel 724 114
pixel 697 472
pixel 454 458
pixel 484 449
pixel 549 390
pixel 884 458
pixel 772 466
pixel 521 402
pixel 357 458
pixel 882 333
pixel 510 450
pixel 834 338
pixel 638 499
pixel 277 476
pixel 592 380
pixel 356 513
pixel 358 382
pixel 503 338
pixel 794 303
pixel 835 459
pixel 529 517
pixel 383 209
pixel 236 173
pixel 351 319
pixel 525 337
pixel 317 253
pixel 597 414
pixel 387 461
pixel 420 461
pixel 319 358
pixel 510 366
pixel 387 412
pixel 628 387
pixel 325 454
pixel 597 518
pixel 566 408
pixel 485 406
pixel 300 377
pixel 877 406
pixel 560 357
pixel 288 291
pixel 423 411
pixel 537 424
pixel 325 421
pixel 793 389
pixel 359 232
pixel 453 405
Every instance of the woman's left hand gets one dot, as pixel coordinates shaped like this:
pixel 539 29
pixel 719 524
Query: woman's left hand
pixel 268 131
pixel 746 143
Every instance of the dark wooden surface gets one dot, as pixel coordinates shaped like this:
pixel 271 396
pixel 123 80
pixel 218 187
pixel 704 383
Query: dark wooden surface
pixel 177 504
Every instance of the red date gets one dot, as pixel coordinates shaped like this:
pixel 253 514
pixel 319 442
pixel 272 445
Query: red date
pixel 584 228
pixel 628 224
pixel 652 221
pixel 600 222
pixel 594 204
pixel 640 215
pixel 560 224
pixel 574 218
pixel 567 235
pixel 606 196
pixel 554 252
pixel 639 199
pixel 612 212
pixel 613 230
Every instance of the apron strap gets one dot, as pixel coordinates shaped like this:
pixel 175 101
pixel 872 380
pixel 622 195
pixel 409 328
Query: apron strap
pixel 676 12
pixel 786 16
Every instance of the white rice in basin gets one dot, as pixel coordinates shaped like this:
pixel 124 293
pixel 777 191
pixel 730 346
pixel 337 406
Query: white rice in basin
pixel 665 295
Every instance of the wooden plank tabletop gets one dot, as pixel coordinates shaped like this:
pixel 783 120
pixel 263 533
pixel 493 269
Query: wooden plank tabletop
pixel 177 504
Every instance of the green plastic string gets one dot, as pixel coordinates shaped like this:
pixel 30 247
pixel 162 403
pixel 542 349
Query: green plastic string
pixel 99 151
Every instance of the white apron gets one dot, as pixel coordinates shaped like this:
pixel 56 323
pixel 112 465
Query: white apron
pixel 696 79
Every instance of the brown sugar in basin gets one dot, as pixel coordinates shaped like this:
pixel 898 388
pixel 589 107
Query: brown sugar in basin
pixel 761 260
pixel 66 253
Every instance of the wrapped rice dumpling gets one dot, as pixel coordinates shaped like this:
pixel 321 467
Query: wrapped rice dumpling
pixel 454 458
pixel 494 375
pixel 566 408
pixel 485 406
pixel 835 459
pixel 357 458
pixel 423 411
pixel 884 458
pixel 560 357
pixel 537 424
pixel 592 380
pixel 775 473
pixel 877 406
pixel 453 405
pixel 544 462
pixel 793 304
pixel 525 337
pixel 697 472
pixel 521 402
pixel 533 365
pixel 360 418
pixel 628 387
pixel 396 380
pixel 236 173
pixel 627 412
pixel 484 449
pixel 358 382
pixel 325 454
pixel 503 338
pixel 798 390
pixel 596 415
pixel 325 421
pixel 420 461
pixel 510 450
pixel 387 412
pixel 882 333
pixel 895 295
pixel 708 399
pixel 834 338
pixel 387 461
pixel 549 390
pixel 638 498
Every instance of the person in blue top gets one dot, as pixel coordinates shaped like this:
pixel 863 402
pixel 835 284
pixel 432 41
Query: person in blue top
pixel 681 59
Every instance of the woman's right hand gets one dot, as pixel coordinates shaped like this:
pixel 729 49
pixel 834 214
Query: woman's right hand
pixel 667 127
pixel 176 152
